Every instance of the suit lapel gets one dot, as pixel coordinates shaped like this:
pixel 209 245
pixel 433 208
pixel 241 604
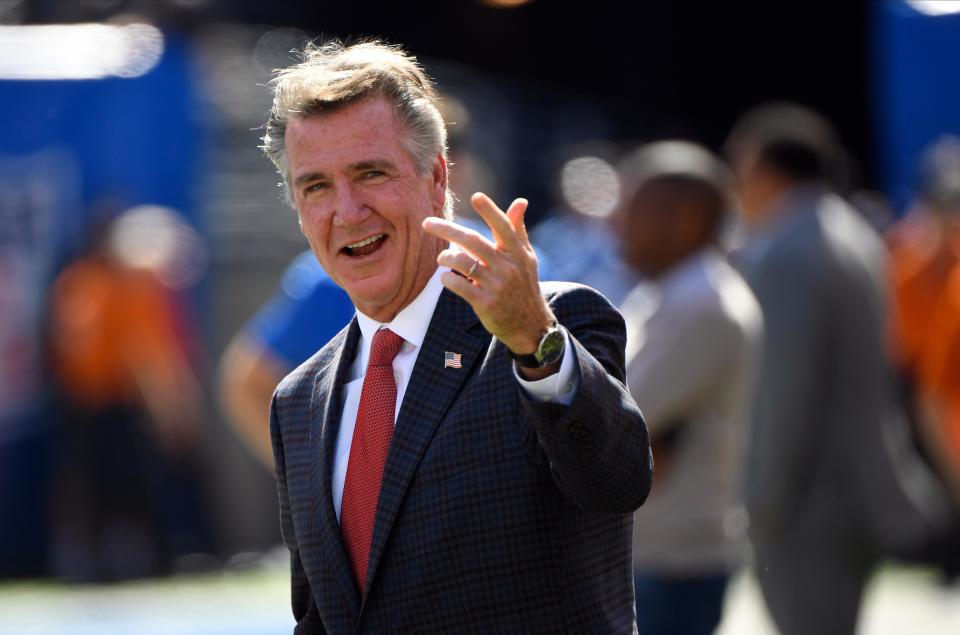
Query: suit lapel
pixel 430 391
pixel 324 424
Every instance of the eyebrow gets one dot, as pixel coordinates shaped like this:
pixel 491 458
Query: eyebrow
pixel 373 164
pixel 309 176
pixel 370 164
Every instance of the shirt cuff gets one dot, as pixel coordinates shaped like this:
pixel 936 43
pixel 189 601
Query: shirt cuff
pixel 559 387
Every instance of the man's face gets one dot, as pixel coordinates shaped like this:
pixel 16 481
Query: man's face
pixel 756 186
pixel 361 202
pixel 642 223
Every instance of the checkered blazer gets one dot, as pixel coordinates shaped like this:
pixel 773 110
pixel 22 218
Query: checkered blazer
pixel 497 514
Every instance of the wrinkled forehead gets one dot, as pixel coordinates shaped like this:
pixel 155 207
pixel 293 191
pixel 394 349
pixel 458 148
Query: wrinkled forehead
pixel 369 122
pixel 366 123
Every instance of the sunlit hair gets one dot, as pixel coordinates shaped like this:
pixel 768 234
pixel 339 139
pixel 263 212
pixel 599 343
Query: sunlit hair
pixel 333 75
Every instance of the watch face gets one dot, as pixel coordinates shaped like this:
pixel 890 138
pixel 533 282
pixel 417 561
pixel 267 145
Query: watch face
pixel 551 347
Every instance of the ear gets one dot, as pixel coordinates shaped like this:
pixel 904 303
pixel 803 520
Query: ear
pixel 439 182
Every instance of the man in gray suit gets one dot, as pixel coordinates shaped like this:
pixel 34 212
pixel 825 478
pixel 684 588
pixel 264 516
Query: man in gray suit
pixel 830 487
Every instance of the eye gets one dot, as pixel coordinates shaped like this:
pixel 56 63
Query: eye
pixel 373 174
pixel 314 187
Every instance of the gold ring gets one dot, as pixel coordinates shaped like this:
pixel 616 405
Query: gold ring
pixel 473 268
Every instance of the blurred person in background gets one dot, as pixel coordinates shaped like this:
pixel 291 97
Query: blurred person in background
pixel 831 487
pixel 307 310
pixel 939 394
pixel 924 254
pixel 125 499
pixel 925 330
pixel 455 460
pixel 693 338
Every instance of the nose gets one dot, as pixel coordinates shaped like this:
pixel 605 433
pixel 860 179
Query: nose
pixel 350 208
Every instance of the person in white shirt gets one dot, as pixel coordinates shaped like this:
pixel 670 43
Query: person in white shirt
pixel 693 339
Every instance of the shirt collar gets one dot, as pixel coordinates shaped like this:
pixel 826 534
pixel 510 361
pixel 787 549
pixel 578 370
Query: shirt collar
pixel 412 321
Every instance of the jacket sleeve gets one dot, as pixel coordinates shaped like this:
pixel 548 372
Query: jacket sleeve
pixel 304 608
pixel 598 448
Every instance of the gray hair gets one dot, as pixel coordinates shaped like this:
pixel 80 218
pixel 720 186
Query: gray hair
pixel 333 75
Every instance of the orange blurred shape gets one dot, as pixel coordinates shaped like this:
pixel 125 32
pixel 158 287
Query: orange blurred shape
pixel 106 321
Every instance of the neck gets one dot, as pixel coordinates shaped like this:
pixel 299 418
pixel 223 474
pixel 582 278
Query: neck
pixel 677 260
pixel 765 208
pixel 387 313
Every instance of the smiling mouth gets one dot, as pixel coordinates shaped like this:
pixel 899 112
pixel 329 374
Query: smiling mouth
pixel 366 246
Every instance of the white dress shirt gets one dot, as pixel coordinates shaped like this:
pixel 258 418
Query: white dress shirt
pixel 411 324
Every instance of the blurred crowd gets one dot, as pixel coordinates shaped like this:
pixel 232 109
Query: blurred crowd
pixel 793 343
pixel 771 364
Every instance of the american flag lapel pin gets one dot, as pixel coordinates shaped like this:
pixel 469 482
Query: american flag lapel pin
pixel 451 360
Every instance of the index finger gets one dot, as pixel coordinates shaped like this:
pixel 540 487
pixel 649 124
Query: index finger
pixel 493 216
pixel 465 237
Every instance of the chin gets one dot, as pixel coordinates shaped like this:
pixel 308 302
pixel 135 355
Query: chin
pixel 372 295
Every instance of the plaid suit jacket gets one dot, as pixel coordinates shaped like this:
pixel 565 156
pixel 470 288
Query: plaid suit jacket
pixel 497 514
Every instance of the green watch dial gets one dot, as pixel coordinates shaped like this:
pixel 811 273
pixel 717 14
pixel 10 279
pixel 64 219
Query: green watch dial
pixel 551 347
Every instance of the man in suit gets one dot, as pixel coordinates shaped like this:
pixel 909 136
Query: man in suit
pixel 463 457
pixel 693 346
pixel 830 484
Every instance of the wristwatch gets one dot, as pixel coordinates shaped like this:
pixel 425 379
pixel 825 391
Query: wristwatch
pixel 548 352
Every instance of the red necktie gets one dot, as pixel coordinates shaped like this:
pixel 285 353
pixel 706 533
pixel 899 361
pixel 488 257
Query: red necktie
pixel 368 451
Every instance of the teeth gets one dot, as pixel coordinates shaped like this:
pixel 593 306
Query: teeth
pixel 365 241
